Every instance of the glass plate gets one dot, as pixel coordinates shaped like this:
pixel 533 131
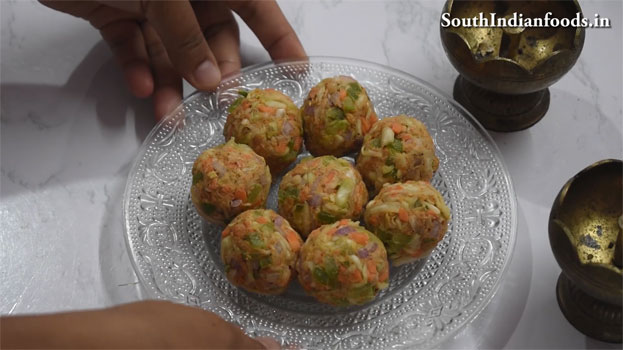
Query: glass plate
pixel 176 254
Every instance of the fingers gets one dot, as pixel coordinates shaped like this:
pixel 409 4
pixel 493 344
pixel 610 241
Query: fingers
pixel 235 338
pixel 126 42
pixel 177 26
pixel 75 8
pixel 271 27
pixel 168 83
pixel 122 33
pixel 221 31
pixel 269 343
pixel 174 41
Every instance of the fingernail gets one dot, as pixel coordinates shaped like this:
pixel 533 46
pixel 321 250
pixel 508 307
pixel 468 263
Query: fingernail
pixel 207 75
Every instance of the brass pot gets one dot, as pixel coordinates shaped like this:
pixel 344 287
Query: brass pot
pixel 505 72
pixel 585 236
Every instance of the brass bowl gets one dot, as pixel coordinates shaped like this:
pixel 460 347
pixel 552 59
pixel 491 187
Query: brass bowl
pixel 585 236
pixel 505 72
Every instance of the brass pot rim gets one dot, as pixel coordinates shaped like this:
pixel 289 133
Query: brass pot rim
pixel 578 43
pixel 532 74
pixel 588 168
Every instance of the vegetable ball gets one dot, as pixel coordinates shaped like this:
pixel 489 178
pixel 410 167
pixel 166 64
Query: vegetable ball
pixel 227 180
pixel 410 218
pixel 337 114
pixel 397 149
pixel 343 264
pixel 259 250
pixel 321 191
pixel 270 123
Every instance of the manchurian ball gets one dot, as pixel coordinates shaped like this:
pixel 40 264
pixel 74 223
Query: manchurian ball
pixel 227 180
pixel 397 149
pixel 259 250
pixel 270 123
pixel 343 264
pixel 337 113
pixel 321 191
pixel 411 218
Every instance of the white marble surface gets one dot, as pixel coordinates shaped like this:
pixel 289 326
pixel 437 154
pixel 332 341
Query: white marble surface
pixel 70 130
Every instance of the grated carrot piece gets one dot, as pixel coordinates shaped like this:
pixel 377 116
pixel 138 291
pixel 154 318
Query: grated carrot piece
pixel 405 136
pixel 403 215
pixel 360 238
pixel 372 273
pixel 417 253
pixel 282 147
pixel 342 95
pixel 384 274
pixel 261 220
pixel 266 109
pixel 397 127
pixel 374 220
pixel 241 194
pixel 329 177
pixel 356 276
pixel 365 126
pixel 304 194
pixel 342 276
pixel 293 240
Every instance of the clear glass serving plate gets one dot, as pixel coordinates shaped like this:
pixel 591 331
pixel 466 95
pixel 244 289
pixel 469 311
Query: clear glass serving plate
pixel 176 254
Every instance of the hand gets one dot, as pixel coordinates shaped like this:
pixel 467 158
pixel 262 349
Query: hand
pixel 147 324
pixel 159 42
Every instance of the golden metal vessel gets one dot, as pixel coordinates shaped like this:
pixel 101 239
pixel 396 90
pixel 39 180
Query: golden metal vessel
pixel 585 226
pixel 505 72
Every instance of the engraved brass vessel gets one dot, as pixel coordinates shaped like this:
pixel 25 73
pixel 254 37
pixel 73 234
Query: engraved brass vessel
pixel 585 235
pixel 505 72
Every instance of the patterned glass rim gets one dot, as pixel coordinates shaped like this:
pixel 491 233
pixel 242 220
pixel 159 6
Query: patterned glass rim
pixel 363 64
